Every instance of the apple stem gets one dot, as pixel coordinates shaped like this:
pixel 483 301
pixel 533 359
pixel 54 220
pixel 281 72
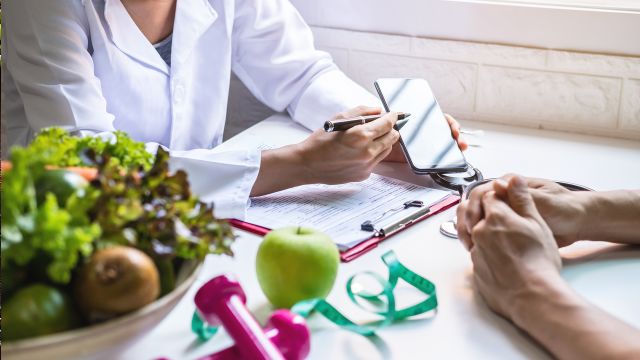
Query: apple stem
pixel 299 229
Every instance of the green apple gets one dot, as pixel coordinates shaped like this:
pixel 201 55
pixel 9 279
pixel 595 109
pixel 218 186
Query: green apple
pixel 296 263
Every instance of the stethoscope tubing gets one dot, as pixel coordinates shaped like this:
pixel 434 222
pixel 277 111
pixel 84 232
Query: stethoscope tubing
pixel 448 228
pixel 567 185
pixel 465 185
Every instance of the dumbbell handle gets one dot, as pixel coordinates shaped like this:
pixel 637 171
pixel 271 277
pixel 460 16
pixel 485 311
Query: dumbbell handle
pixel 233 353
pixel 247 334
pixel 289 333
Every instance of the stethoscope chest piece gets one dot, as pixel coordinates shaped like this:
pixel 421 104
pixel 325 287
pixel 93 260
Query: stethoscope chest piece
pixel 459 182
pixel 448 229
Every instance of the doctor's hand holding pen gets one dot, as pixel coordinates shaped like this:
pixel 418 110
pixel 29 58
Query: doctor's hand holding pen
pixel 335 157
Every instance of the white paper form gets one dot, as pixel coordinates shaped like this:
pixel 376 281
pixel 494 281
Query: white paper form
pixel 339 210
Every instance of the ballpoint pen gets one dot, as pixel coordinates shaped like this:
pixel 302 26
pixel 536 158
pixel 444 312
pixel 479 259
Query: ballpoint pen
pixel 345 124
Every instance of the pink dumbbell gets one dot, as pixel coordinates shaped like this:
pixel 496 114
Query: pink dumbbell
pixel 221 302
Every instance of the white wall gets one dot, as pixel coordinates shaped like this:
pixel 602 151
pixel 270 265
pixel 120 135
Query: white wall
pixel 522 22
pixel 524 80
pixel 579 92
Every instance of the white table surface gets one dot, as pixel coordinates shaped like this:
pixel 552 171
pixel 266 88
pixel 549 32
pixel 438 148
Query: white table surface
pixel 463 326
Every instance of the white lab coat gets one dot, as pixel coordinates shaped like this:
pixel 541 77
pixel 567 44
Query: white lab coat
pixel 84 65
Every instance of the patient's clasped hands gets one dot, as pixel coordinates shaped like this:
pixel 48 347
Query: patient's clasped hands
pixel 511 245
pixel 513 228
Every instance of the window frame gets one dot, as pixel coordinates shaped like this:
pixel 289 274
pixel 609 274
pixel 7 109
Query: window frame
pixel 520 24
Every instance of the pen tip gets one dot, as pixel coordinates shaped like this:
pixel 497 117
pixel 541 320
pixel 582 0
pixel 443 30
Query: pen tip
pixel 406 115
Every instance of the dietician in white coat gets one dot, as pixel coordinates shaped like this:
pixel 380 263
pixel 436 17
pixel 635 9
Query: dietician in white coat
pixel 160 70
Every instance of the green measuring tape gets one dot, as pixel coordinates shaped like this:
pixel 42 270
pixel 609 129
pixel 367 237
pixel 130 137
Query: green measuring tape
pixel 383 299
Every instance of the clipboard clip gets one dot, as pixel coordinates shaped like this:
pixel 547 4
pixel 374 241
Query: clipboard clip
pixel 369 225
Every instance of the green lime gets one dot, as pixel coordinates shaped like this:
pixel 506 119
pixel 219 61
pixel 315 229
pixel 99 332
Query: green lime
pixel 13 276
pixel 61 183
pixel 37 310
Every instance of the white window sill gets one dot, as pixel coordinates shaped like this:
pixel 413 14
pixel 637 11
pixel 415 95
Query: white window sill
pixel 512 22
pixel 621 5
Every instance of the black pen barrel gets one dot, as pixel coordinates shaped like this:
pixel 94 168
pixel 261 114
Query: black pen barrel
pixel 346 124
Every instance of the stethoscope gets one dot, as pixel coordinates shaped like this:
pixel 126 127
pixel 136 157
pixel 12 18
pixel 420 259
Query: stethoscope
pixel 464 183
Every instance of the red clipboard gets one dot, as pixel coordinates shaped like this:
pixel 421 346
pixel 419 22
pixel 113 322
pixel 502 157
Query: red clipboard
pixel 366 245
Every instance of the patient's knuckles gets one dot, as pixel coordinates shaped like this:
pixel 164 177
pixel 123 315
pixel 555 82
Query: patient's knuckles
pixel 494 216
pixel 461 212
pixel 473 214
pixel 488 196
pixel 478 193
pixel 484 188
pixel 478 233
pixel 475 202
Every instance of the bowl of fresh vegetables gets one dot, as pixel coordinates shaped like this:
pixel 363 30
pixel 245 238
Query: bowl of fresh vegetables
pixel 99 242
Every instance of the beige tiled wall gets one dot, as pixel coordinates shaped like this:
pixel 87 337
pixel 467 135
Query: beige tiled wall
pixel 586 93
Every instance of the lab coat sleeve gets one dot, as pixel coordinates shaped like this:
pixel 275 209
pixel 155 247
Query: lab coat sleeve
pixel 46 54
pixel 221 177
pixel 274 56
pixel 224 178
pixel 45 51
pixel 326 95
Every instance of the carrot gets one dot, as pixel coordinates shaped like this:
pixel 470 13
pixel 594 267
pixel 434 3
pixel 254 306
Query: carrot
pixel 88 173
pixel 5 166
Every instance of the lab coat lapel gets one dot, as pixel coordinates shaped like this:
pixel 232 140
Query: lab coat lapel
pixel 129 39
pixel 193 18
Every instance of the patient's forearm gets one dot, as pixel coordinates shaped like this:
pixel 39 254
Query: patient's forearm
pixel 571 328
pixel 612 216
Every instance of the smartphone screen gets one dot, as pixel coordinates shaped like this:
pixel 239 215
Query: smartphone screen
pixel 425 136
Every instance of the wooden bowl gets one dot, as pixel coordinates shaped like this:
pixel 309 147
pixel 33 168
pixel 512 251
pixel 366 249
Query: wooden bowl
pixel 94 339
